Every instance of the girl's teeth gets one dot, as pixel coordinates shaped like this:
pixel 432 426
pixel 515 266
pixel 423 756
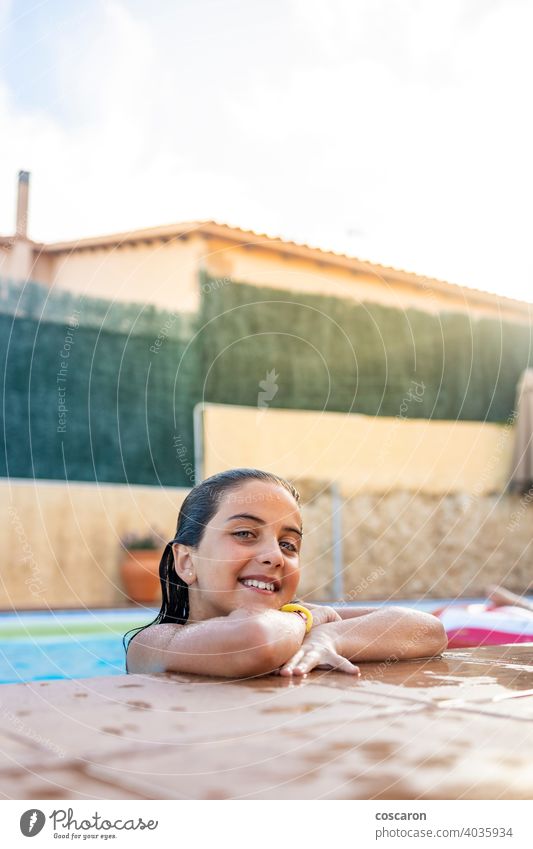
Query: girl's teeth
pixel 259 584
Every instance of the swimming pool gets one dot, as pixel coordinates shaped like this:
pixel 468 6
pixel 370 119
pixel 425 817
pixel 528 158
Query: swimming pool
pixel 47 645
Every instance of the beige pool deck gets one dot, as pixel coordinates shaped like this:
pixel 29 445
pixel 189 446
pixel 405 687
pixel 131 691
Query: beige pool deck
pixel 460 727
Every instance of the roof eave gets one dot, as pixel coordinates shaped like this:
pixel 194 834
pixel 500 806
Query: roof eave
pixel 250 238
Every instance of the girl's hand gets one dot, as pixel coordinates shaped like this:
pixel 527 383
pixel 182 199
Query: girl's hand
pixel 322 613
pixel 318 650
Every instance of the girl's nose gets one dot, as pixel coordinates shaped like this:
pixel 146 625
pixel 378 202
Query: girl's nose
pixel 271 555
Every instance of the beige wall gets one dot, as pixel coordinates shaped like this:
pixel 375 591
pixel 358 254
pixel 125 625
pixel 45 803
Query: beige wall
pixel 60 542
pixel 268 268
pixel 5 254
pixel 363 453
pixel 42 267
pixel 16 259
pixel 282 271
pixel 160 273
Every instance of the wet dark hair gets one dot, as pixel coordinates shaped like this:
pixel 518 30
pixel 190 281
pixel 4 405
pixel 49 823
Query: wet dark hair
pixel 199 507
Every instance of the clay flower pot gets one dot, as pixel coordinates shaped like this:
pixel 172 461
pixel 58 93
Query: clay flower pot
pixel 139 571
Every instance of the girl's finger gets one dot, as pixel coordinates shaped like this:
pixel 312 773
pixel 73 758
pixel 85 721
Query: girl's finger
pixel 345 665
pixel 295 658
pixel 288 667
pixel 307 663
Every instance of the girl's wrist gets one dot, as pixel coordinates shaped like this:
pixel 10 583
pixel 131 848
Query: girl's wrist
pixel 301 611
pixel 303 620
pixel 301 626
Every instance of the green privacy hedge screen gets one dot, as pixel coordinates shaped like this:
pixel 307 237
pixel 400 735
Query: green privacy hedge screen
pixel 119 407
pixel 123 402
pixel 333 354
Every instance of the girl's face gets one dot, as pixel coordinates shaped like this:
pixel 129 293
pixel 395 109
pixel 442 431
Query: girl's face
pixel 249 554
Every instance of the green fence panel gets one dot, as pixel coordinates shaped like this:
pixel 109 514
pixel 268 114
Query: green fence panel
pixel 111 409
pixel 333 354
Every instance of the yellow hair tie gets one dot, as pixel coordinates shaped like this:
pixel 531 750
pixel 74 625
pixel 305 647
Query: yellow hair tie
pixel 301 610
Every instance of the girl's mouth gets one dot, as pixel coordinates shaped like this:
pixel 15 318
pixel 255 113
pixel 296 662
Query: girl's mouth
pixel 265 587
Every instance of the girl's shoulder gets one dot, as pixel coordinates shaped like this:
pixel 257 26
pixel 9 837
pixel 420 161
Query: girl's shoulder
pixel 146 647
pixel 155 634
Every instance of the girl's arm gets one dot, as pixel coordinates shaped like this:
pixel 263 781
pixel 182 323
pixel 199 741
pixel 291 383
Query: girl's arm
pixel 353 612
pixel 243 644
pixel 383 634
pixel 395 633
pixel 341 610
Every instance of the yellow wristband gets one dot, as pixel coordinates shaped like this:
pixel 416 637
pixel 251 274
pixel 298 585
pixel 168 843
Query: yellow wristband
pixel 301 610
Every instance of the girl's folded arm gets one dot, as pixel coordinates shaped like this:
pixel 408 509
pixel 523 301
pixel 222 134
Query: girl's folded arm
pixel 352 612
pixel 239 645
pixel 394 633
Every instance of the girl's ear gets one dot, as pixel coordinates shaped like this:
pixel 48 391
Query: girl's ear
pixel 183 563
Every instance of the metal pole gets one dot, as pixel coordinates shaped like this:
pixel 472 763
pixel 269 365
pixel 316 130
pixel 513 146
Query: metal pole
pixel 336 546
pixel 198 431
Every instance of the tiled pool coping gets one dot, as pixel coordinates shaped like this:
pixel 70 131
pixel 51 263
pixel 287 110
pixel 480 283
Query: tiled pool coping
pixel 460 726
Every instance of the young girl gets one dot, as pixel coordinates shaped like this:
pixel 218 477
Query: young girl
pixel 229 579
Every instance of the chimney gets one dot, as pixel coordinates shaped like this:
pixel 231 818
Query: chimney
pixel 22 204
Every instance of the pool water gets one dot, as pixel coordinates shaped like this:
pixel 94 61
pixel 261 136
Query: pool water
pixel 43 646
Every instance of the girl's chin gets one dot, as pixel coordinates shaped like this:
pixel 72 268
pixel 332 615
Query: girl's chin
pixel 262 598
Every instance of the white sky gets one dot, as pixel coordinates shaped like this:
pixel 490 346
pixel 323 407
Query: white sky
pixel 399 132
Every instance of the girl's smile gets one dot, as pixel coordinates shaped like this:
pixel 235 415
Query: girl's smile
pixel 261 583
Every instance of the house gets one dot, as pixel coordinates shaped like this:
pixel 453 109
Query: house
pixel 162 265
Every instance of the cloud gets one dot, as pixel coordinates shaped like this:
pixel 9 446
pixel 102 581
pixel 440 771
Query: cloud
pixel 402 121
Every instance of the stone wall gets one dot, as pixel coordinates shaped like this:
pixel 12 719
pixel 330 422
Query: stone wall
pixel 316 581
pixel 409 545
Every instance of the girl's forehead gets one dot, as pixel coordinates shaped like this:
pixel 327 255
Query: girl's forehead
pixel 262 496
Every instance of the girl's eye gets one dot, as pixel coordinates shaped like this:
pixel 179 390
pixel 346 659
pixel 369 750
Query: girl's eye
pixel 290 545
